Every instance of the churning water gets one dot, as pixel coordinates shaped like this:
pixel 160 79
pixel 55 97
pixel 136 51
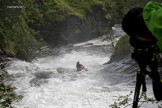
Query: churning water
pixel 53 82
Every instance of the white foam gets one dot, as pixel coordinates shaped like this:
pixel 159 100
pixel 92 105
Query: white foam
pixel 65 88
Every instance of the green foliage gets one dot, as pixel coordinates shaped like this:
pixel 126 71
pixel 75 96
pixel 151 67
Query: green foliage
pixel 5 42
pixel 122 47
pixel 115 9
pixel 17 37
pixel 15 34
pixel 7 95
pixel 124 101
pixel 16 24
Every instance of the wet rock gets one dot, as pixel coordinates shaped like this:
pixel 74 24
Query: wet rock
pixel 44 75
pixel 4 62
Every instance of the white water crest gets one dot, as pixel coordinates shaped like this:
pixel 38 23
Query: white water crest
pixel 53 82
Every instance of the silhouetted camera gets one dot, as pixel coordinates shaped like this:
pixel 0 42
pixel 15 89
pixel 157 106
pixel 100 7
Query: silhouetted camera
pixel 134 25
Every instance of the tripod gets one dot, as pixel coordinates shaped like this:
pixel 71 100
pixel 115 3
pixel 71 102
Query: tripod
pixel 145 57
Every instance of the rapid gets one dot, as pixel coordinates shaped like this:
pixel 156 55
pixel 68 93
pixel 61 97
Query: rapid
pixel 53 81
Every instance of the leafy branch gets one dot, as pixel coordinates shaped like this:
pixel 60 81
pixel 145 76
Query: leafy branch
pixel 7 95
pixel 124 101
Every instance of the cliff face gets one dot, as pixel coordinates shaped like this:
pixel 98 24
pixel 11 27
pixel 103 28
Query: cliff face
pixel 74 29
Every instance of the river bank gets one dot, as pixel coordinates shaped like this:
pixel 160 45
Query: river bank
pixel 52 81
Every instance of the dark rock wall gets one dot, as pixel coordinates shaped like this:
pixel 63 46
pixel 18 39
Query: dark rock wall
pixel 73 29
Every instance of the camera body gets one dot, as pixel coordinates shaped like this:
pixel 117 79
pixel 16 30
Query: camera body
pixel 145 49
pixel 133 24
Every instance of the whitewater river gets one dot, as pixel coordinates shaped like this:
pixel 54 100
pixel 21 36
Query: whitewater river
pixel 53 82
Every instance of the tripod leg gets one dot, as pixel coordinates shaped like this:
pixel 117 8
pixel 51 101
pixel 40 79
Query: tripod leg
pixel 144 89
pixel 156 80
pixel 137 90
